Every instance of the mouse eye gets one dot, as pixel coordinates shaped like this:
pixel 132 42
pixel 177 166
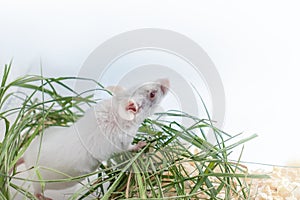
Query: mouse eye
pixel 152 94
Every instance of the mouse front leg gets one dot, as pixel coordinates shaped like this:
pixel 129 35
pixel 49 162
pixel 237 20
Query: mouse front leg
pixel 137 146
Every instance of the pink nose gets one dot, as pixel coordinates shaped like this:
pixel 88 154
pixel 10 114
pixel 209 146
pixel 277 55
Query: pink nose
pixel 165 84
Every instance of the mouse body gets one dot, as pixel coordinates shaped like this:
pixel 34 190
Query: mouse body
pixel 107 128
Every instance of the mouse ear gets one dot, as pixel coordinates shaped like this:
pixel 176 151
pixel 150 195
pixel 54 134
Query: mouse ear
pixel 127 109
pixel 116 90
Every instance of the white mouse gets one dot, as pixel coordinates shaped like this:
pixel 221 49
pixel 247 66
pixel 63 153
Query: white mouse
pixel 108 127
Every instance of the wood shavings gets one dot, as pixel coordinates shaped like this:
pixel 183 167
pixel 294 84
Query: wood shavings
pixel 284 184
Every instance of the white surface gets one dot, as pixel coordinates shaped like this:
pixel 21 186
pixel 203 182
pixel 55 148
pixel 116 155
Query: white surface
pixel 255 45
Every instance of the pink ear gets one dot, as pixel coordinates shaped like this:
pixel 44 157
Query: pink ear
pixel 165 84
pixel 115 90
pixel 132 106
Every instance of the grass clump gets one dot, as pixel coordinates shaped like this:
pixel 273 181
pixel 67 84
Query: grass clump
pixel 177 163
pixel 34 106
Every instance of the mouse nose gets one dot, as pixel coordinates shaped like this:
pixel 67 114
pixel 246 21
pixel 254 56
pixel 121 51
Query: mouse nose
pixel 164 85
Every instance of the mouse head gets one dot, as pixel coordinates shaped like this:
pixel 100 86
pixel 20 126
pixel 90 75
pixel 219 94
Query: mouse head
pixel 140 102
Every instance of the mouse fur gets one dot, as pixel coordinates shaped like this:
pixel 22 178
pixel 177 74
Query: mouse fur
pixel 107 128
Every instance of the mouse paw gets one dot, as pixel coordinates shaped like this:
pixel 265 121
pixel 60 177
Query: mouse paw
pixel 141 144
pixel 41 197
pixel 138 146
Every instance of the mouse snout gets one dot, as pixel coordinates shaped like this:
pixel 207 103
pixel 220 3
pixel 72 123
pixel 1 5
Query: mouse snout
pixel 164 85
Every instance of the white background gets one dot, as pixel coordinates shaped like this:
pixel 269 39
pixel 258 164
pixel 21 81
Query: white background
pixel 255 46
